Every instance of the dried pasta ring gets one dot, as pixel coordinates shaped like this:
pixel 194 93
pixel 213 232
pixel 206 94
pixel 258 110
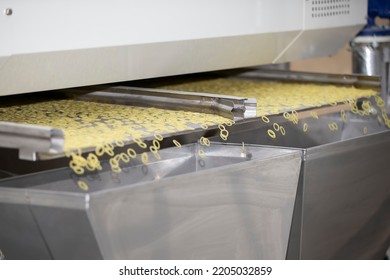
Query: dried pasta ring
pixel 119 143
pixel 114 163
pixel 224 134
pixel 131 153
pixel 282 130
pixel 144 158
pixel 230 122
pixel 271 133
pixel 78 170
pixel 305 127
pixel 177 143
pixel 140 143
pixel 124 157
pixel 204 126
pixel 265 119
pixel 158 137
pixel 204 141
pixel 156 144
pixel 116 169
pixel 221 127
pixel 99 150
pixel 82 185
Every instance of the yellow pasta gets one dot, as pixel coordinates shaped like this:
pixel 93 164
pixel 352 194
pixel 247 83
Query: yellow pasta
pixel 282 130
pixel 177 143
pixel 204 126
pixel 119 143
pixel 224 134
pixel 131 153
pixel 343 116
pixel 145 158
pixel 305 127
pixel 287 115
pixel 221 127
pixel 314 114
pixel 140 143
pixel 271 133
pixel 265 119
pixel 82 185
pixel 158 137
pixel 125 158
pixel 156 144
pixel 105 128
pixel 230 122
pixel 333 126
pixel 204 141
pixel 201 153
pixel 274 98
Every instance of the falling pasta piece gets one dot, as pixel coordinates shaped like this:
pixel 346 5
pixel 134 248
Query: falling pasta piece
pixel 274 98
pixel 204 141
pixel 305 127
pixel 125 157
pixel 265 119
pixel 314 114
pixel 201 153
pixel 271 133
pixel 145 158
pixel 131 153
pixel 158 137
pixel 82 185
pixel 343 116
pixel 105 128
pixel 224 134
pixel 282 130
pixel 177 143
pixel 333 126
pixel 156 144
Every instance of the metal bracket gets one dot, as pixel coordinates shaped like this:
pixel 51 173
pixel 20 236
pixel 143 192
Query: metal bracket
pixel 231 107
pixel 31 139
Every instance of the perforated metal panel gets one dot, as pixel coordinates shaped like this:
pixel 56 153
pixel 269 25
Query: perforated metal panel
pixel 330 8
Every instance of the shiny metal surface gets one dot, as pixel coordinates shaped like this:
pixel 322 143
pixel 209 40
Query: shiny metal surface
pixel 235 203
pixel 371 56
pixel 31 139
pixel 279 75
pixel 344 192
pixel 43 50
pixel 241 109
pixel 231 107
pixel 349 216
pixel 20 237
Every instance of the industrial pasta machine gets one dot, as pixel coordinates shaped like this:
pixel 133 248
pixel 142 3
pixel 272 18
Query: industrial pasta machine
pixel 205 174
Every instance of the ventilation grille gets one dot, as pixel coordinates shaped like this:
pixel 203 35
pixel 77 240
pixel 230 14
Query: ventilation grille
pixel 330 8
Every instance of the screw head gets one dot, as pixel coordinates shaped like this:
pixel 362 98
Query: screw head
pixel 8 12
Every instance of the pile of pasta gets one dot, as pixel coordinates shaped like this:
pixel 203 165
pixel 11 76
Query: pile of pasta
pixel 288 98
pixel 104 127
pixel 273 98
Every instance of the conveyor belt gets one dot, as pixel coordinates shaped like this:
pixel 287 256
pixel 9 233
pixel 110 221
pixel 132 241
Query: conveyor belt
pixel 88 120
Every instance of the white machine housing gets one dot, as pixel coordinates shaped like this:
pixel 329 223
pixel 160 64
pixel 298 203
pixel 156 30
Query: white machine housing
pixel 53 44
